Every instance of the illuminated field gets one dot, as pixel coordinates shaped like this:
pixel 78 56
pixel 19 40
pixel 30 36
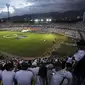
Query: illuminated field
pixel 32 44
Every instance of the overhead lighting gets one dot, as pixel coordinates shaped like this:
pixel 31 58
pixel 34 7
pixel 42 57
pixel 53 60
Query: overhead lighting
pixel 42 20
pixel 36 20
pixel 47 20
pixel 31 20
pixel 50 20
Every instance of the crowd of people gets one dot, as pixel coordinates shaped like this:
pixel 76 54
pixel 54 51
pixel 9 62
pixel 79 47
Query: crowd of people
pixel 70 29
pixel 45 71
pixel 50 70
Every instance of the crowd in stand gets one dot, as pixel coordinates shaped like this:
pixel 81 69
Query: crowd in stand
pixel 79 25
pixel 69 29
pixel 45 71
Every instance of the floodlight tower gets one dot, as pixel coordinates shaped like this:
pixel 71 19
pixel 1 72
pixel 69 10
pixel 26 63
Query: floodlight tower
pixel 8 5
pixel 84 17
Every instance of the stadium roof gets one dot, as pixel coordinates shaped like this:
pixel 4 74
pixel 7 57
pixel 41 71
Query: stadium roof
pixel 20 7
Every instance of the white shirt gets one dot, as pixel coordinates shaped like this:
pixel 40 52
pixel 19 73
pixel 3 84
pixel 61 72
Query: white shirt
pixel 58 77
pixel 39 81
pixel 8 77
pixel 24 77
pixel 69 60
pixel 79 55
pixel 0 74
pixel 35 70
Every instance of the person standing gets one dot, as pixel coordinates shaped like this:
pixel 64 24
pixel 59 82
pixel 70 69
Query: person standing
pixel 61 76
pixel 79 57
pixel 42 76
pixel 23 76
pixel 8 75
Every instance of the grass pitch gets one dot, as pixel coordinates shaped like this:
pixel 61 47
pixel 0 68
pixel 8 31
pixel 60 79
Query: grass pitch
pixel 32 44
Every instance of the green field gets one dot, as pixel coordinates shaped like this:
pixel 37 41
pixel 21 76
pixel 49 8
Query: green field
pixel 32 44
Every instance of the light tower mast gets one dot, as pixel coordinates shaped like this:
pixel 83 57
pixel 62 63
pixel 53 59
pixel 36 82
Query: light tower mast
pixel 8 5
pixel 84 17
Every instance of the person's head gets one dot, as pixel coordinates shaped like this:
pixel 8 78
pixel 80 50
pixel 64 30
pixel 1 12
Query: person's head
pixel 42 72
pixel 1 66
pixel 50 66
pixel 19 67
pixel 9 66
pixel 58 66
pixel 34 64
pixel 29 63
pixel 24 66
pixel 68 66
pixel 81 44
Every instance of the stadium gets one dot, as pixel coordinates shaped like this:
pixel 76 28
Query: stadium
pixel 32 41
pixel 42 42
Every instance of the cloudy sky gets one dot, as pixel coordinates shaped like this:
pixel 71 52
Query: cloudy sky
pixel 20 7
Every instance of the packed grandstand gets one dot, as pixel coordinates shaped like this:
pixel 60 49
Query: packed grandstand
pixel 49 69
pixel 71 29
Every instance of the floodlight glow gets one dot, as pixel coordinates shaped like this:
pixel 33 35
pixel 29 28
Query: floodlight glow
pixel 31 20
pixel 50 20
pixel 47 20
pixel 36 20
pixel 42 20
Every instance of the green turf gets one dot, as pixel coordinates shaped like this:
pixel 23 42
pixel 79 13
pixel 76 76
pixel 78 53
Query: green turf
pixel 32 45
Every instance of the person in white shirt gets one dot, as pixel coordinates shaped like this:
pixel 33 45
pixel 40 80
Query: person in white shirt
pixel 24 77
pixel 81 51
pixel 79 56
pixel 50 70
pixel 61 76
pixel 0 72
pixel 69 60
pixel 8 75
pixel 34 69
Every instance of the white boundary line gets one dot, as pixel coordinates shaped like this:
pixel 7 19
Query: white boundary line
pixel 5 36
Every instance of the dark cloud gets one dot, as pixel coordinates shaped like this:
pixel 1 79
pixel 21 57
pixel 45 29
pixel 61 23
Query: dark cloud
pixel 41 6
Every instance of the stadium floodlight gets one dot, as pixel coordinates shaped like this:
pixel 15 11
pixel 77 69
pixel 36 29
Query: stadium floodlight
pixel 42 20
pixel 84 17
pixel 31 20
pixel 7 5
pixel 50 20
pixel 36 20
pixel 78 17
pixel 47 20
